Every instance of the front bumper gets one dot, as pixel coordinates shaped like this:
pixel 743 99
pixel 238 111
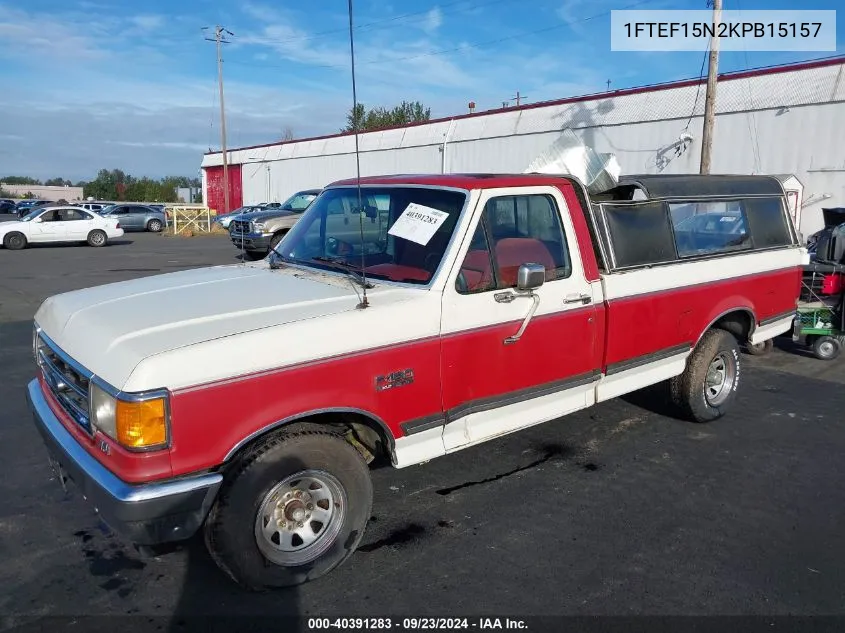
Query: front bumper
pixel 147 514
pixel 252 241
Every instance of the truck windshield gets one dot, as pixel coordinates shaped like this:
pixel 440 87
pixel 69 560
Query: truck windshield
pixel 396 233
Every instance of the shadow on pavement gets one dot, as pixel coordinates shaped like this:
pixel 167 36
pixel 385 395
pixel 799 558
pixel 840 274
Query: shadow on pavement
pixel 52 245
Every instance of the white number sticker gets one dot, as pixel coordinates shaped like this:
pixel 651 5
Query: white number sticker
pixel 418 223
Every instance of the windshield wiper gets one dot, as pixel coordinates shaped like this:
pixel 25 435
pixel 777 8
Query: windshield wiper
pixel 352 271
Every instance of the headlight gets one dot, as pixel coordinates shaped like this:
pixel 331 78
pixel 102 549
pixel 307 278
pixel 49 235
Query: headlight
pixel 258 226
pixel 134 424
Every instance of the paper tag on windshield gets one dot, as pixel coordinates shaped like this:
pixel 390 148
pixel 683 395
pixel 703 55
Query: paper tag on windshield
pixel 418 223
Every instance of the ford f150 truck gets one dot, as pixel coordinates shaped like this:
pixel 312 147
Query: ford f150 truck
pixel 402 318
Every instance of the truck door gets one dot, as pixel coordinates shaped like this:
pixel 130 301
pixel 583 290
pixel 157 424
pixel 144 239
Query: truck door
pixel 493 382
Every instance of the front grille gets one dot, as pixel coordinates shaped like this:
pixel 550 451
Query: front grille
pixel 66 379
pixel 239 226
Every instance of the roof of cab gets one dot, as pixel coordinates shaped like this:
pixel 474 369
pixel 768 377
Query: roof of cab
pixel 459 181
pixel 653 186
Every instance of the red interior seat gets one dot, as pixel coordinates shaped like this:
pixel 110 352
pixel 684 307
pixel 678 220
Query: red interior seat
pixel 512 252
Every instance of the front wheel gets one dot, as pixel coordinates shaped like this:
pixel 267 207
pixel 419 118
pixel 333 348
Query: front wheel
pixel 294 509
pixel 826 347
pixel 707 388
pixel 278 237
pixel 14 241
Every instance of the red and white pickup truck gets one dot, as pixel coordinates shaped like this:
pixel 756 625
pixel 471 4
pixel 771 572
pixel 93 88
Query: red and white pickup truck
pixel 247 400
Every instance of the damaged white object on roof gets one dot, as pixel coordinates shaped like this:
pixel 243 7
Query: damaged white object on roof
pixel 568 155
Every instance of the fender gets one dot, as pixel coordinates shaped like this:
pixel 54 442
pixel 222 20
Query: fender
pixel 384 430
pixel 744 308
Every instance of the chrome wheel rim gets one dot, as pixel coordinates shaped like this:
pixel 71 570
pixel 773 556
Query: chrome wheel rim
pixel 826 348
pixel 155 226
pixel 300 518
pixel 97 238
pixel 720 379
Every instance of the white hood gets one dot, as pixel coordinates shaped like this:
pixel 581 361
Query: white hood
pixel 109 329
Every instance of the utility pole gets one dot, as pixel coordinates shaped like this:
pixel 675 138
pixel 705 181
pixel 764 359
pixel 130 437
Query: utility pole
pixel 518 98
pixel 219 41
pixel 710 99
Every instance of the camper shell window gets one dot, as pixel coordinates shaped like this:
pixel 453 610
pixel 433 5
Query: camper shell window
pixel 655 232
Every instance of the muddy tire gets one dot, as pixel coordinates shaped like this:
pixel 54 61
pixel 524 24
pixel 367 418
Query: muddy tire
pixel 707 388
pixel 291 510
pixel 15 241
pixel 97 238
pixel 760 349
pixel 826 347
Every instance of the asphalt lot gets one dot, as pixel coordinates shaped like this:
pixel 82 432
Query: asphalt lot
pixel 618 510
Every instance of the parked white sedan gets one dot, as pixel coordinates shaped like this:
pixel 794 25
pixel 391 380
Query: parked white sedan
pixel 59 224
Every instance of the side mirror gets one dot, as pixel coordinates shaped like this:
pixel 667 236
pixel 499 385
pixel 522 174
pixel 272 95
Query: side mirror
pixel 37 220
pixel 530 276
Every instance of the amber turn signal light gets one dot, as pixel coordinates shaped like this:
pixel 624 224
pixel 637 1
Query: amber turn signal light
pixel 141 424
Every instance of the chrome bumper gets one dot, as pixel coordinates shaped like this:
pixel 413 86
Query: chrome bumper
pixel 146 514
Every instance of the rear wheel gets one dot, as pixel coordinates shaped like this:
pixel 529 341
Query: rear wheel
pixel 295 508
pixel 760 349
pixel 154 226
pixel 707 388
pixel 97 238
pixel 826 347
pixel 14 241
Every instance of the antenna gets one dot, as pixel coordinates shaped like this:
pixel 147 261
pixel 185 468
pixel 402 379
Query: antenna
pixel 364 303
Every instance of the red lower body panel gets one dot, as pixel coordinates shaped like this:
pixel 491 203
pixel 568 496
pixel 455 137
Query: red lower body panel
pixel 644 324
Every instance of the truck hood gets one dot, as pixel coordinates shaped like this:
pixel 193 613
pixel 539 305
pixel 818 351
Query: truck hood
pixel 109 329
pixel 258 216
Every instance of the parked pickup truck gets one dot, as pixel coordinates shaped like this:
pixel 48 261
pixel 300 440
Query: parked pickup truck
pixel 257 232
pixel 410 318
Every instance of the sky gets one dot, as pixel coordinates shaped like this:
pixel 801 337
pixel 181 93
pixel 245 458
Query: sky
pixel 91 84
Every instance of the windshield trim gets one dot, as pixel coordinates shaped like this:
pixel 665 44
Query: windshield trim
pixel 375 280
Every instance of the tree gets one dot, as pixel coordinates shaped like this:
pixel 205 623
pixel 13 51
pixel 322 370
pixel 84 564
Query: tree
pixel 19 180
pixel 287 134
pixel 362 120
pixel 57 182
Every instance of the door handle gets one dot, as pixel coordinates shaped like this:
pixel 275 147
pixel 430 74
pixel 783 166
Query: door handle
pixel 578 298
pixel 504 297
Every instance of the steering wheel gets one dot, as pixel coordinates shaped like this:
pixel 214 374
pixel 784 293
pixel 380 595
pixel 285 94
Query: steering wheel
pixel 338 247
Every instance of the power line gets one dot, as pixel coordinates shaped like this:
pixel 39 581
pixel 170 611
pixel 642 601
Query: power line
pixel 698 87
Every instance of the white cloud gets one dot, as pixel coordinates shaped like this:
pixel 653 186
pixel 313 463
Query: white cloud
pixel 148 22
pixel 433 20
pixel 40 36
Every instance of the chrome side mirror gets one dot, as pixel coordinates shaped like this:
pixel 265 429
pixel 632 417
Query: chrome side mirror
pixel 37 220
pixel 530 277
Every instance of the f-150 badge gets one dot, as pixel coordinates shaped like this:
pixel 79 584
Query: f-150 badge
pixel 394 379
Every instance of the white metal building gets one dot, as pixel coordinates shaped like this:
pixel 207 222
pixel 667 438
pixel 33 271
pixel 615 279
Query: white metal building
pixel 778 120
